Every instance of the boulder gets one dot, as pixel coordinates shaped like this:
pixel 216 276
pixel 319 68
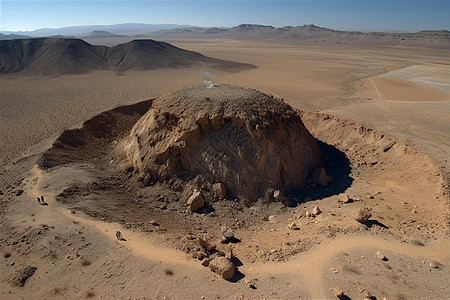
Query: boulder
pixel 196 201
pixel 223 267
pixel 362 215
pixel 344 198
pixel 316 211
pixel 220 190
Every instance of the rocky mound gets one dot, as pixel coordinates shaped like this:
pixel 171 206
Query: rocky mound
pixel 241 138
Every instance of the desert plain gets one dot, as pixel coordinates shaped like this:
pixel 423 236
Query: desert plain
pixel 382 110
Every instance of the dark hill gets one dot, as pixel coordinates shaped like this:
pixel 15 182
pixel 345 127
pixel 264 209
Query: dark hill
pixel 47 56
pixel 149 54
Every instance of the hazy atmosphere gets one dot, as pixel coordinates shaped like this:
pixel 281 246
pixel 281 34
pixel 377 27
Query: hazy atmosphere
pixel 356 15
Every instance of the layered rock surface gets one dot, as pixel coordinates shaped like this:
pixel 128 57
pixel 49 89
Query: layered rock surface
pixel 242 138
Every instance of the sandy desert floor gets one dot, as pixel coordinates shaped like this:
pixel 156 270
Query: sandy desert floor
pixel 386 109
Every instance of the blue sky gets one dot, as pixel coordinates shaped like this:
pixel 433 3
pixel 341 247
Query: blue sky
pixel 363 15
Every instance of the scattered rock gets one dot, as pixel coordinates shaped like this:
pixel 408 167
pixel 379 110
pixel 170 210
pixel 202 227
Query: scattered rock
pixel 251 283
pixel 362 215
pixel 223 267
pixel 293 226
pixel 206 261
pixel 367 296
pixel 308 214
pixel 320 177
pixel 227 236
pixel 278 195
pixel 229 253
pixel 23 275
pixel 334 270
pixel 206 244
pixel 19 192
pixel 316 211
pixel 338 292
pixel 220 190
pixel 195 201
pixel 381 256
pixel 433 265
pixel 344 198
pixel 271 218
pixel 153 222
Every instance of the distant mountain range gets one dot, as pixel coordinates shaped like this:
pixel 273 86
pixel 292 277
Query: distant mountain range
pixel 129 29
pixel 306 33
pixel 313 34
pixel 45 56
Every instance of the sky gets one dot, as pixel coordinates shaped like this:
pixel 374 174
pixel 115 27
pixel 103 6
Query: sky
pixel 358 15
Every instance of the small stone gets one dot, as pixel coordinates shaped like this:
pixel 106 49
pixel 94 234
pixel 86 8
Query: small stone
pixel 344 198
pixel 206 261
pixel 154 223
pixel 308 214
pixel 195 201
pixel 293 226
pixel 367 295
pixel 12 264
pixel 316 211
pixel 334 270
pixel 251 283
pixel 227 236
pixel 338 292
pixel 271 218
pixel 19 192
pixel 381 255
pixel 220 190
pixel 433 265
pixel 370 196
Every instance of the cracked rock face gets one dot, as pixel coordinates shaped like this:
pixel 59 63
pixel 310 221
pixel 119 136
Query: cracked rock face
pixel 247 140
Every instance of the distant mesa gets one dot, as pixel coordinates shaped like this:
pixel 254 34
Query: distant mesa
pixel 46 56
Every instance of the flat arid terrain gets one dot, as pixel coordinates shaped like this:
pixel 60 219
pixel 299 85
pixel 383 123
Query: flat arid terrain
pixel 130 149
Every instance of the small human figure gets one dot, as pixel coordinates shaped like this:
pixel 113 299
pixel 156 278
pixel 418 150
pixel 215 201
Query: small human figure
pixel 39 200
pixel 119 235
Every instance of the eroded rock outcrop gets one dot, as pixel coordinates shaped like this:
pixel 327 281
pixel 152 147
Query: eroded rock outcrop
pixel 247 140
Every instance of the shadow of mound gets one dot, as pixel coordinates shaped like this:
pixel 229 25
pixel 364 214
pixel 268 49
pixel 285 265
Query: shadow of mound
pixel 94 138
pixel 337 165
